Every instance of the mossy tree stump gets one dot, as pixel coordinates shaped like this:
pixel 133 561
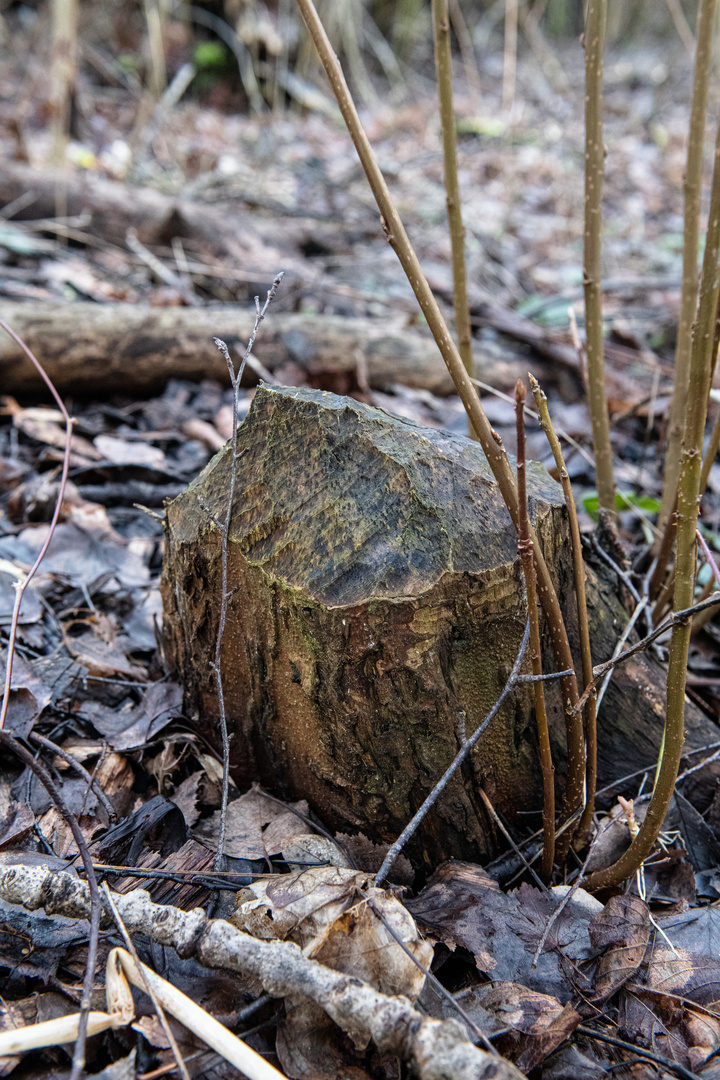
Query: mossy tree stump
pixel 376 609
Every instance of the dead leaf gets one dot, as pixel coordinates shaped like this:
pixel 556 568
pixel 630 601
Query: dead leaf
pixel 622 930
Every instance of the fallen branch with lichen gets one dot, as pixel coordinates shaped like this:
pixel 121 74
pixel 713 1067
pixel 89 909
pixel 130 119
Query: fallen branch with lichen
pixel 435 1049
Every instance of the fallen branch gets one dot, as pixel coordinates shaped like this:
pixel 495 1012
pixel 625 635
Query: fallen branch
pixel 110 348
pixel 435 1049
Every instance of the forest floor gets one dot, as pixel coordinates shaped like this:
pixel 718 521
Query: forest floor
pixel 88 671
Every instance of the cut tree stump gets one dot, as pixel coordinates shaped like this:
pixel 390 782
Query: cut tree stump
pixel 376 607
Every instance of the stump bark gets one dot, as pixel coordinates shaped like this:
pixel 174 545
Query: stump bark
pixel 376 607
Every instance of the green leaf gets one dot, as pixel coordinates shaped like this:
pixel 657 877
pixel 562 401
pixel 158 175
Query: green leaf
pixel 624 500
pixel 210 56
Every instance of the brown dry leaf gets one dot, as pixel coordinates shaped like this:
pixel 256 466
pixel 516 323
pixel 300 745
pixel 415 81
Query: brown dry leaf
pixel 206 433
pixel 285 828
pixel 369 856
pixel 311 1047
pixel 670 1024
pixel 325 911
pixel 247 818
pixel 128 729
pixel 622 930
pixel 48 426
pixel 127 452
pixel 534 1024
pixel 308 849
pixel 100 648
pixel 83 556
pixel 57 832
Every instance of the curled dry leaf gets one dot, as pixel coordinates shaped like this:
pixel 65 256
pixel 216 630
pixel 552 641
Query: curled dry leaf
pixel 325 911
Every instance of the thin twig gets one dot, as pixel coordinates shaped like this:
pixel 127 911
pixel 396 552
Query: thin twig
pixel 435 982
pixel 38 768
pixel 590 707
pixel 692 186
pixel 639 1051
pixel 445 779
pixel 235 379
pixel 677 618
pixel 21 586
pixel 498 821
pixel 709 556
pixel 443 67
pixel 594 41
pixel 80 769
pixel 639 608
pixel 182 1067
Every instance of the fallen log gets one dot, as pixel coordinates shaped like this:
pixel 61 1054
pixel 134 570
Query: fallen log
pixel 156 217
pixel 109 348
pixel 375 610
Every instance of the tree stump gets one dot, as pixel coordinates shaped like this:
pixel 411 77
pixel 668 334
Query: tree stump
pixel 376 607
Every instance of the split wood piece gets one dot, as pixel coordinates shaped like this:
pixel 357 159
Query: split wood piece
pixel 433 1049
pixel 110 348
pixel 375 610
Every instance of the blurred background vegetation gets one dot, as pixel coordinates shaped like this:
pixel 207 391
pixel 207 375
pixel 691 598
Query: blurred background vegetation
pixel 255 54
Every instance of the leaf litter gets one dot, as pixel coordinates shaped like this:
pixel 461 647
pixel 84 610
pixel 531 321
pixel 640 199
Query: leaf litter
pixel 89 675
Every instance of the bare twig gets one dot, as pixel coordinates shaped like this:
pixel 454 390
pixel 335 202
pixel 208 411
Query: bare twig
pixel 509 56
pixel 688 302
pixel 20 587
pixel 79 769
pixel 462 754
pixel 594 41
pixel 438 986
pixel 590 708
pixel 709 556
pixel 639 608
pixel 638 1052
pixel 443 67
pixel 235 378
pixel 501 826
pixel 677 618
pixel 37 767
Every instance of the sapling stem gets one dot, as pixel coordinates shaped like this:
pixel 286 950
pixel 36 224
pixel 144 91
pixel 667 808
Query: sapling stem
pixel 589 708
pixel 691 234
pixel 688 491
pixel 443 67
pixel 525 549
pixel 592 272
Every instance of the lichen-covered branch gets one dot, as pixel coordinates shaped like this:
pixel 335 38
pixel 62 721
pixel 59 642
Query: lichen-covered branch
pixel 435 1049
